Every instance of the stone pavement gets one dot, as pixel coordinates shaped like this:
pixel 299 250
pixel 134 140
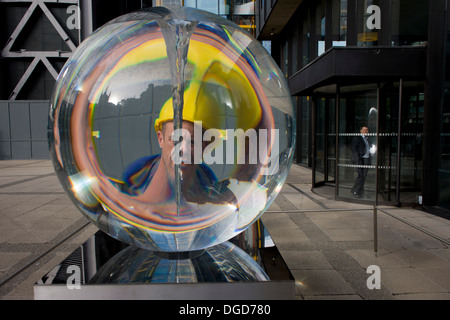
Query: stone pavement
pixel 328 245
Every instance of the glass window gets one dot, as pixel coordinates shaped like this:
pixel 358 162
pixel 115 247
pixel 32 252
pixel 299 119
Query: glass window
pixel 367 23
pixel 331 140
pixel 267 44
pixel 208 5
pixel 158 3
pixel 304 129
pixel 398 148
pixel 411 142
pixel 294 50
pixel 388 142
pixel 220 7
pixel 343 20
pixel 319 140
pixel 444 167
pixel 324 139
pixel 409 22
pixel 224 7
pixel 306 39
pixel 243 13
pixel 339 23
pixel 400 166
pixel 285 59
pixel 320 27
pixel 357 142
pixel 303 124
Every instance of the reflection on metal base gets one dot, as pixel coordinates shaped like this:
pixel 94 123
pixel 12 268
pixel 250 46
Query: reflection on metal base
pixel 178 255
pixel 248 266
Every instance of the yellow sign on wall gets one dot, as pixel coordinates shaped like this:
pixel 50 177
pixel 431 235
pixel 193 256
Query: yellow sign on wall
pixel 368 37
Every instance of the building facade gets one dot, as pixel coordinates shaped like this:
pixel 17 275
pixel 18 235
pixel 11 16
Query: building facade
pixel 375 63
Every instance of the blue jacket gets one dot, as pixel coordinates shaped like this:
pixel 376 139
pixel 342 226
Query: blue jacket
pixel 139 174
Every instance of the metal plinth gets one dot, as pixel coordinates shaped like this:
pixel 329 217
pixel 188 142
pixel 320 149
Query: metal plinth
pixel 248 267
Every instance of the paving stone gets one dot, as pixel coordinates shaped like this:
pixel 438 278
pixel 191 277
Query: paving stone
pixel 321 282
pixel 328 245
pixel 407 281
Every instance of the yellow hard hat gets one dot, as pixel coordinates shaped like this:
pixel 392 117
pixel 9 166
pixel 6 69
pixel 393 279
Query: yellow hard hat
pixel 219 93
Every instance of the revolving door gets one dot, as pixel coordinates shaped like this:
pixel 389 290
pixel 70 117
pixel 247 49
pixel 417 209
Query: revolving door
pixel 324 141
pixel 393 115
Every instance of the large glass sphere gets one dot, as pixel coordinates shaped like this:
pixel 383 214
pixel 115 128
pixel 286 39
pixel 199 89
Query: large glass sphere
pixel 172 129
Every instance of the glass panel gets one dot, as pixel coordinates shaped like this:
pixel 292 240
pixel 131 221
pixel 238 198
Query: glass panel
pixel 339 23
pixel 305 38
pixel 190 3
pixel 331 140
pixel 343 21
pixel 224 8
pixel 357 118
pixel 208 5
pixel 319 141
pixel 444 166
pixel 304 129
pixel 411 142
pixel 409 24
pixel 294 50
pixel 243 13
pixel 444 170
pixel 267 44
pixel 285 61
pixel 320 27
pixel 388 143
pixel 367 37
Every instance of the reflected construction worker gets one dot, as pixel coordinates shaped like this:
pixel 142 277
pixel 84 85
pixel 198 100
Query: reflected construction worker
pixel 218 96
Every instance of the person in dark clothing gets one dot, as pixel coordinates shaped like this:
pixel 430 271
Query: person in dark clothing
pixel 361 158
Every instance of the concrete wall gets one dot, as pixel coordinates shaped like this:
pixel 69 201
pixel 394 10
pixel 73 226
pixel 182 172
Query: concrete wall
pixel 23 129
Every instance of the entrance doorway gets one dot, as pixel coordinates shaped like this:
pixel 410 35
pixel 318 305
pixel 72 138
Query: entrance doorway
pixel 393 115
pixel 400 142
pixel 358 109
pixel 324 144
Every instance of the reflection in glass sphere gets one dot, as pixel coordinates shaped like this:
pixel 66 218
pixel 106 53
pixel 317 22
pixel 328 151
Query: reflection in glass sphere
pixel 171 129
pixel 222 263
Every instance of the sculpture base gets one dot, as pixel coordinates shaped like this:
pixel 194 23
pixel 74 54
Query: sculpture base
pixel 104 268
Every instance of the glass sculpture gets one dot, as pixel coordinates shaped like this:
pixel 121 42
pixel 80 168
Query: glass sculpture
pixel 171 129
